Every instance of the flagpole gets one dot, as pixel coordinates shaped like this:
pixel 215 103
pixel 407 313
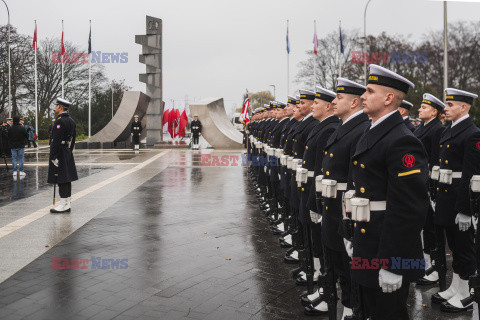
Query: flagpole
pixel 63 58
pixel 315 58
pixel 288 65
pixel 90 86
pixel 36 92
pixel 341 53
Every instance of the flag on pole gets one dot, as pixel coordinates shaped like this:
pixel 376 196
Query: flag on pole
pixel 315 39
pixel 182 123
pixel 90 40
pixel 341 38
pixel 245 116
pixel 288 41
pixel 63 46
pixel 34 43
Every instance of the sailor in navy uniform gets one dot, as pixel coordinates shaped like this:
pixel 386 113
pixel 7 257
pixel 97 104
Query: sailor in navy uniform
pixel 459 160
pixel 322 111
pixel 405 112
pixel 336 161
pixel 390 172
pixel 136 131
pixel 61 165
pixel 429 132
pixel 196 127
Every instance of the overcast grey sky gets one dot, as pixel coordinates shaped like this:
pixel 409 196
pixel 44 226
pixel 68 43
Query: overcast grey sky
pixel 217 48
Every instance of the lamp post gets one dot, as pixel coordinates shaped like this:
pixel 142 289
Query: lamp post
pixel 274 94
pixel 365 41
pixel 9 66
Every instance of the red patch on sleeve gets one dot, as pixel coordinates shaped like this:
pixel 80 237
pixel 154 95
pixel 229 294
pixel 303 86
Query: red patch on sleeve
pixel 478 145
pixel 408 160
pixel 58 126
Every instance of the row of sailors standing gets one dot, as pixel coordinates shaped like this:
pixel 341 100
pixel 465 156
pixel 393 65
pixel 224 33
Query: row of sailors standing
pixel 359 195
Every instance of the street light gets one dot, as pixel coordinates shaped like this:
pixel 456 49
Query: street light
pixel 365 41
pixel 9 67
pixel 274 95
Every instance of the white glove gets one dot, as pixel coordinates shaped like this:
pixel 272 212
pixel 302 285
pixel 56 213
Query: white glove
pixel 131 133
pixel 348 247
pixel 464 222
pixel 55 162
pixel 316 218
pixel 389 281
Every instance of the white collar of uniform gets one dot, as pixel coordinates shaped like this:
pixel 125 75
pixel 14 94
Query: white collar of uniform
pixel 353 116
pixel 283 119
pixel 405 118
pixel 454 123
pixel 308 116
pixel 382 119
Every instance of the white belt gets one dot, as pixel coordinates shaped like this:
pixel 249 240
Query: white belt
pixel 361 208
pixel 446 176
pixel 475 183
pixel 330 188
pixel 311 174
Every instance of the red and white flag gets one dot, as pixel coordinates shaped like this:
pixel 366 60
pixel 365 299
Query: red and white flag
pixel 315 39
pixel 63 46
pixel 245 116
pixel 34 43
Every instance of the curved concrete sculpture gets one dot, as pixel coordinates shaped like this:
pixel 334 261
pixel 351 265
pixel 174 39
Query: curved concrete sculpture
pixel 217 128
pixel 118 129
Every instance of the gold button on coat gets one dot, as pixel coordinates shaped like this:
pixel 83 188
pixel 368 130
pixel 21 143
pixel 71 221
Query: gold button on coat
pixel 331 155
pixel 328 173
pixel 306 147
pixel 446 161
pixel 362 231
pixel 362 190
pixel 355 162
pixel 303 189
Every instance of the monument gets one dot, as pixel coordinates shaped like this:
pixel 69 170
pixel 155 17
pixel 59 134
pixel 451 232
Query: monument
pixel 152 58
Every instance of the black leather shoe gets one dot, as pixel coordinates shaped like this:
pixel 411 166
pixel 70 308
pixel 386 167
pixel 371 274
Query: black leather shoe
pixel 289 260
pixel 425 282
pixel 436 298
pixel 295 272
pixel 467 303
pixel 311 311
pixel 64 211
pixel 284 244
pixel 302 282
pixel 306 302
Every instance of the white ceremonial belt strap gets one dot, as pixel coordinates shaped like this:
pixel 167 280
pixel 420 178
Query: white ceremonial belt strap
pixel 311 174
pixel 456 175
pixel 341 186
pixel 378 205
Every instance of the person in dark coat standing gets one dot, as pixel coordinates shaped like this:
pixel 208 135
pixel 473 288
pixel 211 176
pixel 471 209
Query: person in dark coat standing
pixel 31 134
pixel 61 164
pixel 196 126
pixel 390 172
pixel 136 131
pixel 405 113
pixel 429 132
pixel 459 160
pixel 16 139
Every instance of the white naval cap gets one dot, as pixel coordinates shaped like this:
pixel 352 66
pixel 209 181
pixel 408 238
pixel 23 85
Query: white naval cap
pixel 306 94
pixel 63 102
pixel 135 116
pixel 265 106
pixel 350 87
pixel 430 99
pixel 292 100
pixel 384 77
pixel 324 94
pixel 406 105
pixel 281 105
pixel 452 94
pixel 297 99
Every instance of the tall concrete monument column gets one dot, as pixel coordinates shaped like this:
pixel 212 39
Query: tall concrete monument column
pixel 152 58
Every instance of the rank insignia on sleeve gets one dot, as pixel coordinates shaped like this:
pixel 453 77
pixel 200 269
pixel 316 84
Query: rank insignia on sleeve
pixel 408 161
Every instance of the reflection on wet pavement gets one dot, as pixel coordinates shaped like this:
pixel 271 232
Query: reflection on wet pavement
pixel 195 247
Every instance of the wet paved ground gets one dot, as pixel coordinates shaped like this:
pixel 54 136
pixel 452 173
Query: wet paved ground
pixel 162 235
